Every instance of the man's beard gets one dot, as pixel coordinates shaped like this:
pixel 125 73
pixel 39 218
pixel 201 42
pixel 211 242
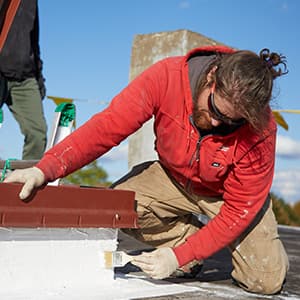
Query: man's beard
pixel 201 118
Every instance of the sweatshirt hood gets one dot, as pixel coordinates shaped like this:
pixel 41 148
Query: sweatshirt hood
pixel 195 63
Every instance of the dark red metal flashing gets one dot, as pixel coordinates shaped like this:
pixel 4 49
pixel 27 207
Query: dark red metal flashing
pixel 67 206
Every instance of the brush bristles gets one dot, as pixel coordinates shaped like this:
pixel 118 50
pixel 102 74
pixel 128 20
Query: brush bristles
pixel 108 259
pixel 116 259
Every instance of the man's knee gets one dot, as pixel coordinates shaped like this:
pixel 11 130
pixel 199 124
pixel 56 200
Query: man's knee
pixel 262 283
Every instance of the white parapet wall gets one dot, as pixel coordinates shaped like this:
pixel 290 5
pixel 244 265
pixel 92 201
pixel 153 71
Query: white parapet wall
pixel 54 259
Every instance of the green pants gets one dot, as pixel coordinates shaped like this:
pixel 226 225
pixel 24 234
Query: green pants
pixel 24 101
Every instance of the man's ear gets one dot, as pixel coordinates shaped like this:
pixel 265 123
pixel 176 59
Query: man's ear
pixel 211 73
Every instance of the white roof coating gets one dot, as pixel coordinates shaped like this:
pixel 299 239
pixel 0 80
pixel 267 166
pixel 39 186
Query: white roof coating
pixel 54 259
pixel 67 263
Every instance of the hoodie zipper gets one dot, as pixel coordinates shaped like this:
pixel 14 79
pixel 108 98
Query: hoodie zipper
pixel 195 157
pixel 196 154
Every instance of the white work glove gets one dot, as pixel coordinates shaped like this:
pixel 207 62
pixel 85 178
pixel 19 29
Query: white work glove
pixel 158 264
pixel 31 177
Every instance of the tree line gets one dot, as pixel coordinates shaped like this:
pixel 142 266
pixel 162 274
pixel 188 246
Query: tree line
pixel 285 213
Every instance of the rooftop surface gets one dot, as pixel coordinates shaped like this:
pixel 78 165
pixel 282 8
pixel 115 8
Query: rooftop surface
pixel 214 282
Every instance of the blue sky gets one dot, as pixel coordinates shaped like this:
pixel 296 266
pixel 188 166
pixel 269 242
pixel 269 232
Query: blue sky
pixel 86 48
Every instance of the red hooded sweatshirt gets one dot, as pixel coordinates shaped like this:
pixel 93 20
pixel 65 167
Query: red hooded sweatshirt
pixel 237 167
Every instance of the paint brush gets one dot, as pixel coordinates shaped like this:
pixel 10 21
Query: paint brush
pixel 116 259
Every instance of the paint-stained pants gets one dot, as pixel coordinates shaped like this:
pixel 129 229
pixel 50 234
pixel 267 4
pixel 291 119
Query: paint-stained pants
pixel 165 217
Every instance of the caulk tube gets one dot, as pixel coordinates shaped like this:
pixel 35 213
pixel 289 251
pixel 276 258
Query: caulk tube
pixel 62 125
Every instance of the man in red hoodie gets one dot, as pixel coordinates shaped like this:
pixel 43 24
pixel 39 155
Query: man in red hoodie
pixel 215 139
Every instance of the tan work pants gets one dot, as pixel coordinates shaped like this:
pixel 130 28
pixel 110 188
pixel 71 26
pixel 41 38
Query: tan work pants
pixel 165 217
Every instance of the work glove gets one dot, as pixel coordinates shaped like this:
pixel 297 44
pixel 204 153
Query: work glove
pixel 31 177
pixel 158 264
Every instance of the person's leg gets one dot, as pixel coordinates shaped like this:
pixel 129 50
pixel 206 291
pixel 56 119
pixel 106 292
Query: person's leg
pixel 259 260
pixel 165 214
pixel 26 106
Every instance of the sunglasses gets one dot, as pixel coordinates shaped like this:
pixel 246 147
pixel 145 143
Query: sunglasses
pixel 217 115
